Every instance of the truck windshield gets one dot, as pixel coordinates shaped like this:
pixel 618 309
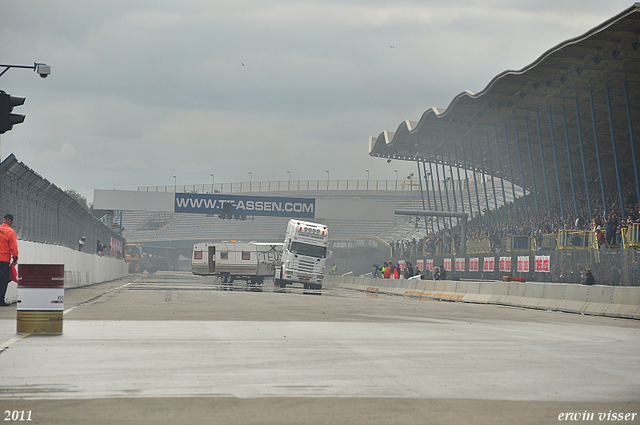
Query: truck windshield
pixel 309 250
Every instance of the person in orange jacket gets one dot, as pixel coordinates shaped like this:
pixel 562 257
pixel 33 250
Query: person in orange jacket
pixel 8 254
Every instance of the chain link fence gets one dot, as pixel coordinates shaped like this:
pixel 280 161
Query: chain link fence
pixel 44 213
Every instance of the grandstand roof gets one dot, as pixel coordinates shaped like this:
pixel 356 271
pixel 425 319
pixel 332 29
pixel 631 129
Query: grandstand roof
pixel 522 114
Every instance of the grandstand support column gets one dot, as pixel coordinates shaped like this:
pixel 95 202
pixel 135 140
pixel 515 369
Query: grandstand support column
pixel 463 226
pixel 631 139
pixel 615 152
pixel 453 186
pixel 504 196
pixel 595 138
pixel 533 175
pixel 426 183
pixel 421 191
pixel 464 160
pixel 566 140
pixel 493 181
pixel 433 187
pixel 513 187
pixel 524 186
pixel 475 180
pixel 446 191
pixel 544 169
pixel 460 181
pixel 584 163
pixel 555 161
pixel 439 185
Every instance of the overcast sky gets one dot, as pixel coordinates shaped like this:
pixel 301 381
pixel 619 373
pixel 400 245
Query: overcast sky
pixel 140 91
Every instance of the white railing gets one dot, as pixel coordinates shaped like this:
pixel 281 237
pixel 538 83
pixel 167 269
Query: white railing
pixel 304 185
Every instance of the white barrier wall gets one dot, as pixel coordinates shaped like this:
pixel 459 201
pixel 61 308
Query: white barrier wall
pixel 80 268
pixel 598 300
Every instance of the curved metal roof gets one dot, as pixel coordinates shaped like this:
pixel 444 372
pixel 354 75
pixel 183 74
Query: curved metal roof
pixel 541 111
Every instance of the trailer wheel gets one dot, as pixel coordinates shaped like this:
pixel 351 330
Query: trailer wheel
pixel 138 267
pixel 223 277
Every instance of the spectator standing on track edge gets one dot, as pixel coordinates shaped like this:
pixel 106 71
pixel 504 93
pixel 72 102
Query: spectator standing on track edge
pixel 8 252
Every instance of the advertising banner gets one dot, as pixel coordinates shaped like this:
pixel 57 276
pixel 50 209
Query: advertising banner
pixel 523 264
pixel 474 264
pixel 505 264
pixel 430 265
pixel 447 264
pixel 460 262
pixel 542 263
pixel 217 203
pixel 489 264
pixel 420 265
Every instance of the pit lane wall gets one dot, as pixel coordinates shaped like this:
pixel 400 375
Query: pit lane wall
pixel 600 300
pixel 80 268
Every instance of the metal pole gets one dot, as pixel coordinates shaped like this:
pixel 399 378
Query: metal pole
pixel 446 191
pixel 615 153
pixel 504 196
pixel 420 179
pixel 453 186
pixel 426 183
pixel 566 139
pixel 544 171
pixel 524 188
pixel 464 160
pixel 555 161
pixel 513 187
pixel 533 176
pixel 475 183
pixel 584 163
pixel 595 138
pixel 459 181
pixel 439 187
pixel 633 149
pixel 493 182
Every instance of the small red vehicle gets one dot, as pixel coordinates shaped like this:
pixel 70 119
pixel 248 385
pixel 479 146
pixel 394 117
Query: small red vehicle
pixel 513 278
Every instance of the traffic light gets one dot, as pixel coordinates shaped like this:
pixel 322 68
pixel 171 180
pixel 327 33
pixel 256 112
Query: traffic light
pixel 7 119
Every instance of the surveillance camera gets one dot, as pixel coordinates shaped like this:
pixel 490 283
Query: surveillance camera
pixel 43 70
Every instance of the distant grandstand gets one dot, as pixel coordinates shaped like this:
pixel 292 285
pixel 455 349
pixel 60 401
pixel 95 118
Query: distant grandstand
pixel 181 229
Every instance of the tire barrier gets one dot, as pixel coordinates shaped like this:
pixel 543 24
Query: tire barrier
pixel 596 300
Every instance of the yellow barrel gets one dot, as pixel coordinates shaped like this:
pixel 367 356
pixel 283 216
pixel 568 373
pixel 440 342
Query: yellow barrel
pixel 40 298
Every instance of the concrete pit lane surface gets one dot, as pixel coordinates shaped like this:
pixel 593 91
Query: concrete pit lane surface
pixel 170 347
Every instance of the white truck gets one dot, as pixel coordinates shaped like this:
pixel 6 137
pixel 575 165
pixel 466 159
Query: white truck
pixel 304 255
pixel 249 261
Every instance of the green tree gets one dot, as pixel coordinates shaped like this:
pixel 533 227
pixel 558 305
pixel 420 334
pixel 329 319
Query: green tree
pixel 80 199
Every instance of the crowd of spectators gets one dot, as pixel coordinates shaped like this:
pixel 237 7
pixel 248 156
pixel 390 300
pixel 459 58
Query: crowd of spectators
pixel 495 225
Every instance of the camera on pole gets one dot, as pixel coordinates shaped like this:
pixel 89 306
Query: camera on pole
pixel 7 119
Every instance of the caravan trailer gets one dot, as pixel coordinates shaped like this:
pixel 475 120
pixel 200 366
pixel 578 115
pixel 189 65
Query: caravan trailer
pixel 248 261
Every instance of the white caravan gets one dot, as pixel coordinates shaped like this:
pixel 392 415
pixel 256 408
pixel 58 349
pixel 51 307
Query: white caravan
pixel 251 262
pixel 304 255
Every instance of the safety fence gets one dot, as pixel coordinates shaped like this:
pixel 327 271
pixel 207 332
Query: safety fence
pixel 44 213
pixel 615 267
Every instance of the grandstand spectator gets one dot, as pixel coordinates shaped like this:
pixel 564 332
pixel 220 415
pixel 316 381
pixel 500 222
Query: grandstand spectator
pixel 537 236
pixel 436 273
pixel 387 271
pixel 602 242
pixel 408 270
pixel 611 229
pixel 587 277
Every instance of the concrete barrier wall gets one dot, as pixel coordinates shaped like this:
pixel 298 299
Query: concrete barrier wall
pixel 599 300
pixel 80 268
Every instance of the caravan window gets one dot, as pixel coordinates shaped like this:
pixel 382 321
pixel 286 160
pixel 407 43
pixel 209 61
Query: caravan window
pixel 224 255
pixel 197 255
pixel 246 255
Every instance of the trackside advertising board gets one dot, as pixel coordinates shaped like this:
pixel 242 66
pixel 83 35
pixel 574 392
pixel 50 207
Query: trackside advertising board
pixel 245 205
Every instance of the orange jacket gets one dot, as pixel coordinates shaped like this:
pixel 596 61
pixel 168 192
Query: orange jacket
pixel 8 243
